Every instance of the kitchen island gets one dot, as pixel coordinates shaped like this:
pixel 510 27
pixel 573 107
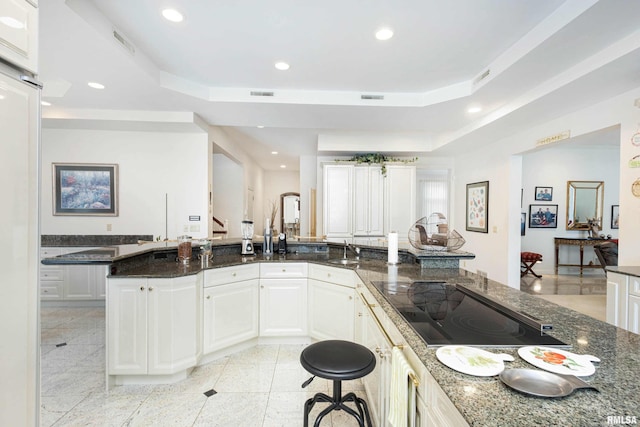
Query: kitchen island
pixel 481 401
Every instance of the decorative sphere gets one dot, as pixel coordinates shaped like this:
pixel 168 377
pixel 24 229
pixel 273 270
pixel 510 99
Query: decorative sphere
pixel 432 234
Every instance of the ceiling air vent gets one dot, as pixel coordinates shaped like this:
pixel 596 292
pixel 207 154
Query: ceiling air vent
pixel 259 93
pixel 482 76
pixel 120 38
pixel 375 97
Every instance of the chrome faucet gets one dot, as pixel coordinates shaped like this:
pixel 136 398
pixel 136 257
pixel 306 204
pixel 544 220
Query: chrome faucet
pixel 354 249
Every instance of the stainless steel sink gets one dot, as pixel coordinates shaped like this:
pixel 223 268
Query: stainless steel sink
pixel 344 261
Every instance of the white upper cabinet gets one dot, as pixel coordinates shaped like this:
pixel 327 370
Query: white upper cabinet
pixel 400 200
pixel 338 200
pixel 19 33
pixel 368 194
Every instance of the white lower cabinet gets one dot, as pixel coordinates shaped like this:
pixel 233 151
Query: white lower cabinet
pixel 330 311
pixel 623 301
pixel 331 302
pixel 634 314
pixel 283 299
pixel 283 307
pixel 71 282
pixel 152 325
pixel 230 314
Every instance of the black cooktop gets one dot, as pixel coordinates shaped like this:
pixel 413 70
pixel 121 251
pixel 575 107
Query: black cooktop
pixel 445 314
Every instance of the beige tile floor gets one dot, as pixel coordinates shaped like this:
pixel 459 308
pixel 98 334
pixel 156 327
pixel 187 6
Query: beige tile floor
pixel 586 294
pixel 257 387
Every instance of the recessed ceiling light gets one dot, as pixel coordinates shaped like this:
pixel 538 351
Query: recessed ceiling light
pixel 172 15
pixel 274 152
pixel 282 66
pixel 1 96
pixel 95 85
pixel 260 126
pixel 474 109
pixel 45 103
pixel 11 22
pixel 384 33
pixel 283 166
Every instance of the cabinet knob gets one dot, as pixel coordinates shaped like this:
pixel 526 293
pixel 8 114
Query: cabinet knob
pixel 262 286
pixel 359 314
pixel 45 290
pixel 208 296
pixel 328 274
pixel 284 270
pixel 142 288
pixel 233 274
pixel 350 297
pixel 150 288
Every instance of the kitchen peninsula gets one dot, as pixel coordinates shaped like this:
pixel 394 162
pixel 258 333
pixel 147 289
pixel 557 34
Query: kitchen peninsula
pixel 479 401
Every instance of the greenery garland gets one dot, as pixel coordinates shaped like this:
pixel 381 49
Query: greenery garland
pixel 377 158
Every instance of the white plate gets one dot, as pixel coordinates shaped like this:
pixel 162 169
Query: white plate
pixel 472 361
pixel 559 361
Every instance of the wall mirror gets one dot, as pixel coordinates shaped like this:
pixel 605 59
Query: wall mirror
pixel 290 211
pixel 584 201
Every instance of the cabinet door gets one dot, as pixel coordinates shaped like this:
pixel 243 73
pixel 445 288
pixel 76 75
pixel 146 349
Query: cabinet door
pixel 617 294
pixel 230 314
pixel 19 37
pixel 368 194
pixel 376 384
pixel 79 283
pixel 634 314
pixel 98 275
pixel 283 307
pixel 127 326
pixel 400 200
pixel 337 197
pixel 172 324
pixel 331 311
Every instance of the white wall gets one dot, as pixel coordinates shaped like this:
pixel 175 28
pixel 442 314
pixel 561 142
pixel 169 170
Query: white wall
pixel 553 167
pixel 150 164
pixel 496 253
pixel 276 183
pixel 227 193
pixel 253 179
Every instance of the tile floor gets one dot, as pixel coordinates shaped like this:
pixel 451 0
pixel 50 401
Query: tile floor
pixel 586 294
pixel 256 387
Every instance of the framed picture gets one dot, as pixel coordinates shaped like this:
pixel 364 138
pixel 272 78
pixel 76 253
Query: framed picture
pixel 543 216
pixel 478 207
pixel 523 223
pixel 85 189
pixel 544 194
pixel 615 216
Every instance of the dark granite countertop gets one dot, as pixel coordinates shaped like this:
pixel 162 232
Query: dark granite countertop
pixel 483 401
pixel 628 270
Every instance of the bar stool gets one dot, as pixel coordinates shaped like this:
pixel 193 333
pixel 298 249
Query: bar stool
pixel 527 261
pixel 337 360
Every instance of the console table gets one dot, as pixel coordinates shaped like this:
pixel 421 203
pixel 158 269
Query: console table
pixel 576 242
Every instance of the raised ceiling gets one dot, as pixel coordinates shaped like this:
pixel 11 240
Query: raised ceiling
pixel 522 61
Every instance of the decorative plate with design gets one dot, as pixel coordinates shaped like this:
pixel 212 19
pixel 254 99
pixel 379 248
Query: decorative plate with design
pixel 472 361
pixel 559 361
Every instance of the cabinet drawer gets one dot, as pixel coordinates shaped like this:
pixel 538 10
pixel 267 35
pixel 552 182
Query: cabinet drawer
pixel 283 270
pixel 221 276
pixel 50 252
pixel 51 273
pixel 634 285
pixel 340 276
pixel 51 290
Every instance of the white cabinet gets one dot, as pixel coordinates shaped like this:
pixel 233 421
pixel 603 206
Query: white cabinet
pixel 331 302
pixel 617 292
pixel 634 314
pixel 283 299
pixel 51 276
pixel 368 196
pixel 79 282
pixel 19 33
pixel 400 200
pixel 152 325
pixel 337 205
pixel 230 310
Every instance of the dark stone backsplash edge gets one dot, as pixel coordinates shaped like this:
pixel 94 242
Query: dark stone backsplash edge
pixel 92 239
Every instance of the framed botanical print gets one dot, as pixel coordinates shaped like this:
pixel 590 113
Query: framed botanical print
pixel 478 207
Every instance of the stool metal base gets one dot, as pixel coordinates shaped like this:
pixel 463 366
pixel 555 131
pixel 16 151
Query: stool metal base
pixel 338 403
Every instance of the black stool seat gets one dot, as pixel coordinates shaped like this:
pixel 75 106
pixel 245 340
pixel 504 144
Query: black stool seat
pixel 337 360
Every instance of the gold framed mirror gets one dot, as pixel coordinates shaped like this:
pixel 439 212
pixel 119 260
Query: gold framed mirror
pixel 585 201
